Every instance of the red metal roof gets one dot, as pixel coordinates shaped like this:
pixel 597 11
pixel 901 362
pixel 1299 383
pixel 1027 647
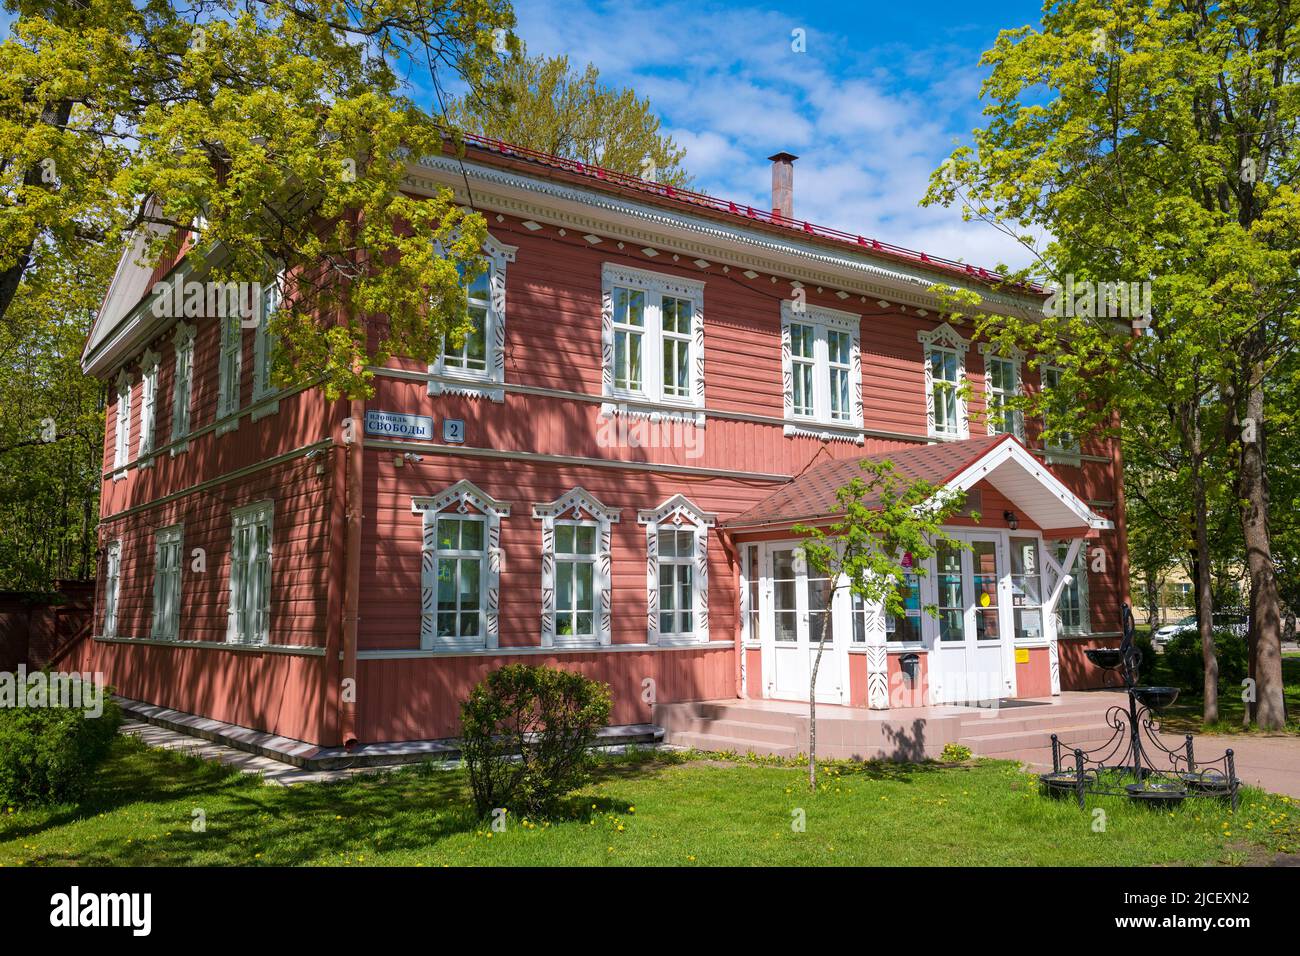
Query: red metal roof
pixel 812 495
pixel 671 195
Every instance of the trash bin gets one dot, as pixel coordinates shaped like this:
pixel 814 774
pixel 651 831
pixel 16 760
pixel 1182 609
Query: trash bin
pixel 910 664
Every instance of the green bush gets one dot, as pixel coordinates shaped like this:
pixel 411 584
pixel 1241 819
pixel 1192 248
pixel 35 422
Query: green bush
pixel 525 734
pixel 49 754
pixel 1187 668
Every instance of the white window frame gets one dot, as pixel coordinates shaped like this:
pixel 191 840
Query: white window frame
pixel 678 513
pixel 250 516
pixel 577 506
pixel 148 406
pixel 823 321
pixel 1015 358
pixel 264 348
pixel 112 588
pixel 944 339
pixel 168 560
pixel 1079 582
pixel 461 500
pixel 651 396
pixel 230 359
pixel 122 427
pixel 182 383
pixel 1064 454
pixel 488 382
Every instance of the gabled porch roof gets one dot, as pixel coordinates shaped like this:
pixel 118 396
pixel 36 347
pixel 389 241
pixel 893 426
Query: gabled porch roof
pixel 1036 492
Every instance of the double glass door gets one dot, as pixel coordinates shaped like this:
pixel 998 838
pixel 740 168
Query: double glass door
pixel 969 645
pixel 802 610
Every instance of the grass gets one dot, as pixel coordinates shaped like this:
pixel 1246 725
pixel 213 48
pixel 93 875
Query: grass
pixel 1185 716
pixel 640 809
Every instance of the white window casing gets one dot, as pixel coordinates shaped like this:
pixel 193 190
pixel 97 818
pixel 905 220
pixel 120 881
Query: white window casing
pixel 1002 381
pixel 652 344
pixel 182 382
pixel 264 348
pixel 122 428
pixel 945 375
pixel 112 588
pixel 821 372
pixel 249 618
pixel 457 372
pixel 1064 452
pixel 463 508
pixel 148 406
pixel 167 583
pixel 668 574
pixel 581 526
pixel 230 357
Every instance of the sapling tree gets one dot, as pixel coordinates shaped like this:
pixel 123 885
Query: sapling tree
pixel 880 518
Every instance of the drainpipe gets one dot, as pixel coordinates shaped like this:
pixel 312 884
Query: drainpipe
pixel 355 452
pixel 733 552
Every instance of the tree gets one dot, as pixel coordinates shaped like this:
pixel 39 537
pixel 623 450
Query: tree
pixel 881 516
pixel 542 103
pixel 1156 144
pixel 276 132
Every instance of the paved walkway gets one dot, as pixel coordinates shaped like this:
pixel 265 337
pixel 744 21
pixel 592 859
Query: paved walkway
pixel 271 771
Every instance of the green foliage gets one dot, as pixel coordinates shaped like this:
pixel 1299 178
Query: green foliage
pixel 279 132
pixel 1186 668
pixel 543 103
pixel 955 753
pixel 50 754
pixel 880 516
pixel 525 734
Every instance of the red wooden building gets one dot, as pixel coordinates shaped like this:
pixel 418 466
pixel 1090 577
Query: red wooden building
pixel 604 477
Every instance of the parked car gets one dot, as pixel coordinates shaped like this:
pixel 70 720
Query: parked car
pixel 1235 623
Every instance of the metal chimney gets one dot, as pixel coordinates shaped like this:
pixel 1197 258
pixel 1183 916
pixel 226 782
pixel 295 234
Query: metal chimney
pixel 782 185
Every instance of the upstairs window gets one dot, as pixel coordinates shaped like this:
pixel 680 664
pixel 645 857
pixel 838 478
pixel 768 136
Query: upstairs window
pixel 1001 387
pixel 264 346
pixel 1065 445
pixel 653 335
pixel 122 427
pixel 167 583
pixel 821 364
pixel 182 380
pixel 148 401
pixel 677 572
pixel 945 377
pixel 474 363
pixel 250 575
pixel 231 360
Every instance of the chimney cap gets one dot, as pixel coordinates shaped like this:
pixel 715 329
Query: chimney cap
pixel 782 157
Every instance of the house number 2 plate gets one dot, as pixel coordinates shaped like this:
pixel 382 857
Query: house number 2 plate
pixel 453 430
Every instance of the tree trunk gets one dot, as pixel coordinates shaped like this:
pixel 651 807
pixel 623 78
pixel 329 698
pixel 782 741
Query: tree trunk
pixel 1266 619
pixel 828 596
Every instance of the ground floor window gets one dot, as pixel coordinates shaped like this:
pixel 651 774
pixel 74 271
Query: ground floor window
pixel 459 556
pixel 1073 606
pixel 167 583
pixel 575 579
pixel 676 588
pixel 576 569
pixel 677 574
pixel 1026 589
pixel 250 575
pixel 112 586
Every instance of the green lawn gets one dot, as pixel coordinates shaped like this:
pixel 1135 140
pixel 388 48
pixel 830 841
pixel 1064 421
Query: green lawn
pixel 1185 716
pixel 642 810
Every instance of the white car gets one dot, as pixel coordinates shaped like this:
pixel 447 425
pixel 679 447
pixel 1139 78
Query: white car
pixel 1163 635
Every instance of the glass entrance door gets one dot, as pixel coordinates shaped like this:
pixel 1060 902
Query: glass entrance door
pixel 968 647
pixel 800 614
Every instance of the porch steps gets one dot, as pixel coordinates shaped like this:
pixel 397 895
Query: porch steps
pixel 999 744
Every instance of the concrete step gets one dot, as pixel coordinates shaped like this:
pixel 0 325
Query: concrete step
pixel 1076 736
pixel 738 729
pixel 979 727
pixel 743 711
pixel 711 742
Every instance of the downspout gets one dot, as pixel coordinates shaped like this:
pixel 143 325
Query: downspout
pixel 355 468
pixel 733 553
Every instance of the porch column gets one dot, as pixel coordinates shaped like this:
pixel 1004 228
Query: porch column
pixel 1061 577
pixel 877 658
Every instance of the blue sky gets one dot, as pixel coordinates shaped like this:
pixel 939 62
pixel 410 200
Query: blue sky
pixel 876 102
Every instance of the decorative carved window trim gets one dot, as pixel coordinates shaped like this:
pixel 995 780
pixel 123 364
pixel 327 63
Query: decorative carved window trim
pixel 489 382
pixel 577 505
pixel 944 338
pixel 674 513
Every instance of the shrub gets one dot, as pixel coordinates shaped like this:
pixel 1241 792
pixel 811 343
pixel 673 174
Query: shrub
pixel 955 753
pixel 49 754
pixel 1187 668
pixel 525 734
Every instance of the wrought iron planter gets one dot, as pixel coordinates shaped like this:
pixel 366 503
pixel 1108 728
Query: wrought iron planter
pixel 1135 762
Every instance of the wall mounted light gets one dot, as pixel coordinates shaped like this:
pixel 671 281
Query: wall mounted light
pixel 1012 521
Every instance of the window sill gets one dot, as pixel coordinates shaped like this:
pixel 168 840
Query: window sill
pixel 640 407
pixel 289 649
pixel 1062 456
pixel 229 424
pixel 825 431
pixel 270 408
pixel 179 449
pixel 946 436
